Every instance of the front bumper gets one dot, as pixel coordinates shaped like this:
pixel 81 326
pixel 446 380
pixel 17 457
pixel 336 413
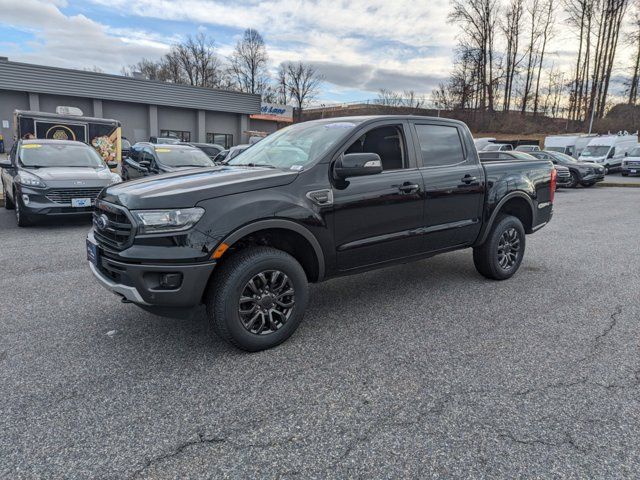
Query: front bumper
pixel 630 169
pixel 39 204
pixel 592 178
pixel 140 283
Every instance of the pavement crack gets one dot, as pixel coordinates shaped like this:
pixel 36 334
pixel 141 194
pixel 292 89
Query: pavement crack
pixel 201 438
pixel 568 441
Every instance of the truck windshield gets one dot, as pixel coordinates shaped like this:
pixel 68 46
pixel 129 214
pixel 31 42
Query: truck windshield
pixel 295 146
pixel 183 157
pixel 635 152
pixel 596 151
pixel 59 155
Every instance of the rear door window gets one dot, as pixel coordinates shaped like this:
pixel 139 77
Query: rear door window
pixel 439 145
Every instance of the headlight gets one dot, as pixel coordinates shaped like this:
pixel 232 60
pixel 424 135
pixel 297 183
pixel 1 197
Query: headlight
pixel 159 221
pixel 29 180
pixel 115 178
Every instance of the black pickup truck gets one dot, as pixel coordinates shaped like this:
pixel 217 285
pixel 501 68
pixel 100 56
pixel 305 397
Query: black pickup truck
pixel 310 202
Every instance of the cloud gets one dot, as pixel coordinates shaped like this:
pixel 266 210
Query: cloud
pixel 73 41
pixel 371 78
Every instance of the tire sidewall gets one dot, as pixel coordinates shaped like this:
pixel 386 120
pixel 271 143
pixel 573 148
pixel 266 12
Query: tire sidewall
pixel 502 226
pixel 575 180
pixel 229 296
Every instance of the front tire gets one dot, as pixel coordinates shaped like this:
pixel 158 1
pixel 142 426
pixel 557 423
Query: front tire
pixel 257 298
pixel 8 203
pixel 500 256
pixel 575 180
pixel 23 219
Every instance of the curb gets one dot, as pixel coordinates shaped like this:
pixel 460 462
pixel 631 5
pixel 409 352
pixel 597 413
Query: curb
pixel 612 184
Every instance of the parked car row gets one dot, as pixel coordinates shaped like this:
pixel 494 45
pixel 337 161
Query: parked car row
pixel 579 173
pixel 609 151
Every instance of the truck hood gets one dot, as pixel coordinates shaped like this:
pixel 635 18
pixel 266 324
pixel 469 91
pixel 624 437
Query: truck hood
pixel 185 188
pixel 72 176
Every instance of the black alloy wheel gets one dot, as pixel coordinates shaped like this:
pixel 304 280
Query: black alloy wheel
pixel 267 302
pixel 501 254
pixel 508 248
pixel 257 297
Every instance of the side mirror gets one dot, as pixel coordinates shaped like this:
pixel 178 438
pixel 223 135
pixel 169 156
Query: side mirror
pixel 144 163
pixel 626 154
pixel 112 164
pixel 5 163
pixel 357 164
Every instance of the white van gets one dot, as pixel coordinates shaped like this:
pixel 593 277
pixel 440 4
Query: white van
pixel 561 143
pixel 609 150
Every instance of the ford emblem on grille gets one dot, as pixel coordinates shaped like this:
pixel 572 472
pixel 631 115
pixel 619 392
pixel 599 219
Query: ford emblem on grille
pixel 102 222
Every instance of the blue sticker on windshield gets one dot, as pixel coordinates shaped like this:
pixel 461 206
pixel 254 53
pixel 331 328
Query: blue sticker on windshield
pixel 340 125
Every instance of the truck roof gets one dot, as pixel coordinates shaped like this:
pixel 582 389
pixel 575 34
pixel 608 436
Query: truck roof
pixel 33 113
pixel 47 141
pixel 373 118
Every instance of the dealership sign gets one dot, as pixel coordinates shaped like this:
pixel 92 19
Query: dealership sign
pixel 276 113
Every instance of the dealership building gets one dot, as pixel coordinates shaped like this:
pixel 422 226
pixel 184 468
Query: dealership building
pixel 145 108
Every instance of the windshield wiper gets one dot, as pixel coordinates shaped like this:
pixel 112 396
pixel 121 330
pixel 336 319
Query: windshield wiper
pixel 251 165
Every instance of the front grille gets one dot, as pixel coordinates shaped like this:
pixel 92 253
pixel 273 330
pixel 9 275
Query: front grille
pixel 633 163
pixel 112 226
pixel 64 195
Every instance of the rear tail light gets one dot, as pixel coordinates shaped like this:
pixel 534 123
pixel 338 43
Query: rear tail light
pixel 554 179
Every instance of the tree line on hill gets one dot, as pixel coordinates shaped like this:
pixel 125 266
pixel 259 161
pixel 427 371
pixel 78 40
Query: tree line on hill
pixel 503 59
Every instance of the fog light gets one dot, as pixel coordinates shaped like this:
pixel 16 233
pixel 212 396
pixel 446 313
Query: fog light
pixel 25 199
pixel 170 280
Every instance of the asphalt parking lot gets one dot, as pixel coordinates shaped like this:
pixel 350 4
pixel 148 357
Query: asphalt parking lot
pixel 422 370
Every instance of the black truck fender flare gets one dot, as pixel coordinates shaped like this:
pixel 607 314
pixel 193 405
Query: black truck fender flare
pixel 498 208
pixel 285 225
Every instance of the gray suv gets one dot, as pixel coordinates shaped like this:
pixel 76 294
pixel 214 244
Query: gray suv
pixel 53 177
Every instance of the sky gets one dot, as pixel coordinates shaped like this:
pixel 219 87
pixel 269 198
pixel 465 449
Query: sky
pixel 359 46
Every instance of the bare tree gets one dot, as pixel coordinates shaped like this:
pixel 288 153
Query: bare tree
pixel 303 82
pixel 192 62
pixel 548 10
pixel 477 21
pixel 534 10
pixel 511 29
pixel 389 98
pixel 248 62
pixel 633 40
pixel 283 95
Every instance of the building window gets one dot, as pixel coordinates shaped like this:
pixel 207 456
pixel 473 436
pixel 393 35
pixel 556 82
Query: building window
pixel 224 139
pixel 183 136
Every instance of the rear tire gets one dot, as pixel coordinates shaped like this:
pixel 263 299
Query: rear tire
pixel 8 203
pixel 257 298
pixel 500 256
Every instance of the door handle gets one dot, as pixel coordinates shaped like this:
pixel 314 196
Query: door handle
pixel 468 179
pixel 408 187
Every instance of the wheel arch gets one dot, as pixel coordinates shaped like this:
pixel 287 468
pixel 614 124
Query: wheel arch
pixel 286 235
pixel 518 204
